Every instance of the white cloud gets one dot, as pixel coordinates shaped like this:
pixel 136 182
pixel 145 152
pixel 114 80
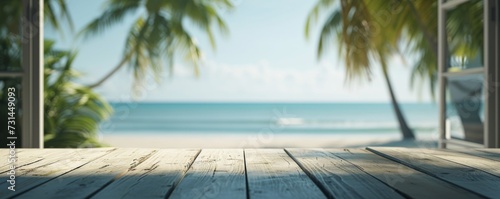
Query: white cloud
pixel 264 81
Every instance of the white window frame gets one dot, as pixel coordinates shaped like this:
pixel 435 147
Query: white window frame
pixel 491 72
pixel 31 74
pixel 31 134
pixel 32 82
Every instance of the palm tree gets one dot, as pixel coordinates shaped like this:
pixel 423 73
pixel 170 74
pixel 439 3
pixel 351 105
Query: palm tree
pixel 363 41
pixel 159 34
pixel 464 30
pixel 72 112
pixel 375 30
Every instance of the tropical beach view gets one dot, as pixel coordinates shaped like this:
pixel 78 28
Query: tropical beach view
pixel 258 80
pixel 239 99
pixel 236 73
pixel 265 124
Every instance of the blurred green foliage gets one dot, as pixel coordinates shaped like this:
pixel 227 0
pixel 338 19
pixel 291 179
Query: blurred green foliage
pixel 72 112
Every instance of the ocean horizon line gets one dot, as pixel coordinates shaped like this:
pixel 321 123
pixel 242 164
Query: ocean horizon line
pixel 259 102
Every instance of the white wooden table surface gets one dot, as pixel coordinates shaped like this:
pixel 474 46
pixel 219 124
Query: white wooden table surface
pixel 376 172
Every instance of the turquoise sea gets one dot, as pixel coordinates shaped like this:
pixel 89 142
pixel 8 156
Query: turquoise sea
pixel 250 118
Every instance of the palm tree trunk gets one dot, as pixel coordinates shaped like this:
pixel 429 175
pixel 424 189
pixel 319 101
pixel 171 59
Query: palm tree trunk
pixel 111 73
pixel 405 130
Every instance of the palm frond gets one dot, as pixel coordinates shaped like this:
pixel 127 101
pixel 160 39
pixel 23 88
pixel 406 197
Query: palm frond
pixel 72 112
pixel 159 34
pixel 314 14
pixel 51 13
pixel 114 14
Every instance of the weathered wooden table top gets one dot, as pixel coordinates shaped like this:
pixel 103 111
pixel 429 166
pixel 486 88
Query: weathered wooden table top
pixel 252 173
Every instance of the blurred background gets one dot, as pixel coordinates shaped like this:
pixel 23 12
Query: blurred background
pixel 238 73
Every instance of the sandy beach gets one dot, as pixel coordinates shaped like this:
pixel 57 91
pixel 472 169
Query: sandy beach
pixel 257 141
pixel 265 125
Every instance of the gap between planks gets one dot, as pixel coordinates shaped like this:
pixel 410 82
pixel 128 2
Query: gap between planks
pixel 340 178
pixel 469 178
pixel 158 174
pixel 407 181
pixel 216 173
pixel 90 178
pixel 41 172
pixel 272 173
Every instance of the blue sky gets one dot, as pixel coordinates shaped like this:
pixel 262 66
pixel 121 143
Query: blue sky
pixel 265 58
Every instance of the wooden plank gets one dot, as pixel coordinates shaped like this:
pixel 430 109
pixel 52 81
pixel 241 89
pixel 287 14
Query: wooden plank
pixel 492 151
pixel 26 158
pixel 484 164
pixel 44 156
pixel 340 178
pixel 154 177
pixel 33 175
pixel 405 180
pixel 271 173
pixel 466 177
pixel 82 182
pixel 478 153
pixel 30 156
pixel 216 173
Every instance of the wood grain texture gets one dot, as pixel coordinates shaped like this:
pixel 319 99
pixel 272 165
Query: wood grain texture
pixel 35 174
pixel 152 177
pixel 26 158
pixel 479 153
pixel 340 178
pixel 271 173
pixel 493 151
pixel 484 164
pixel 83 181
pixel 405 180
pixel 216 173
pixel 30 156
pixel 466 177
